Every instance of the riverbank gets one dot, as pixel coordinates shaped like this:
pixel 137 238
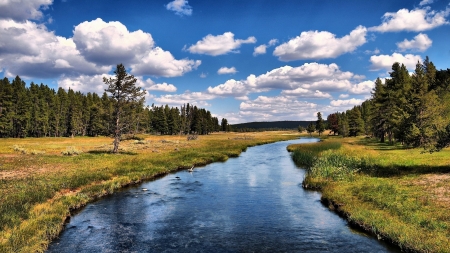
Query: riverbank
pixel 401 195
pixel 40 186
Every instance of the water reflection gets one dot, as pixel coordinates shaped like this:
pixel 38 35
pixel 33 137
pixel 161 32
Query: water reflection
pixel 253 203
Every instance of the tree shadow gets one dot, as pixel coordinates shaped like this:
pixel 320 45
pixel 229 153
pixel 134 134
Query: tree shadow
pixel 403 170
pixel 102 152
pixel 376 145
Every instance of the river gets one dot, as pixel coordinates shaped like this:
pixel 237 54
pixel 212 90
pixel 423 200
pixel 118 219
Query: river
pixel 253 203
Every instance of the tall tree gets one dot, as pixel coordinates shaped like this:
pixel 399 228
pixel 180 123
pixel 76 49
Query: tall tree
pixel 125 95
pixel 311 128
pixel 333 124
pixel 320 124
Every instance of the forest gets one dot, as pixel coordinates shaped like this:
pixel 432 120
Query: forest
pixel 411 109
pixel 40 111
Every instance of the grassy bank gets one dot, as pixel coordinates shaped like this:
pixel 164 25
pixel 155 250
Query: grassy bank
pixel 401 195
pixel 40 183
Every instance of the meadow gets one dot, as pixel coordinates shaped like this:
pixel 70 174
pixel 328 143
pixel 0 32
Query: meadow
pixel 43 180
pixel 401 195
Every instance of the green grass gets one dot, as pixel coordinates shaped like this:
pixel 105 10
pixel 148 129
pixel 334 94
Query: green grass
pixel 38 192
pixel 400 194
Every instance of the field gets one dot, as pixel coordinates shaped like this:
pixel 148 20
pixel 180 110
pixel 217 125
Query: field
pixel 43 179
pixel 401 195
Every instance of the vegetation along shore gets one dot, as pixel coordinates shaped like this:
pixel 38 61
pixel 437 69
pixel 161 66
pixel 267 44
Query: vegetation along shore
pixel 401 195
pixel 40 185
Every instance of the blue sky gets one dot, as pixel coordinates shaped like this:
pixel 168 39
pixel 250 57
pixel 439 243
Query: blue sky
pixel 249 60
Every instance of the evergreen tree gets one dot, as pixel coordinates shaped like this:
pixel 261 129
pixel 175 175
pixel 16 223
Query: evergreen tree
pixel 125 96
pixel 320 124
pixel 311 128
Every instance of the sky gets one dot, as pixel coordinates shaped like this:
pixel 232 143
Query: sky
pixel 247 60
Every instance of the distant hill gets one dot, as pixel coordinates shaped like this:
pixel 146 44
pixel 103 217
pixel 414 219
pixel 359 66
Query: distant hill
pixel 271 125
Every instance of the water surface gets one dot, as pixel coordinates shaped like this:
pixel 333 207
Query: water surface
pixel 253 203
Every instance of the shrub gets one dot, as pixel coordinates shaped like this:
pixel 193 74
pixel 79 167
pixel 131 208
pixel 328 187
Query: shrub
pixel 71 151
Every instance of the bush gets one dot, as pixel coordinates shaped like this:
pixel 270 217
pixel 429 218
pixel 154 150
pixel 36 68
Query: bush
pixel 20 149
pixel 71 151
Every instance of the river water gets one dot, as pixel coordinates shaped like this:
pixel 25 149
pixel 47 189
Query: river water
pixel 253 203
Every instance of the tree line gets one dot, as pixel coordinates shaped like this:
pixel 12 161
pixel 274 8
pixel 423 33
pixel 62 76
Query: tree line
pixel 40 111
pixel 413 109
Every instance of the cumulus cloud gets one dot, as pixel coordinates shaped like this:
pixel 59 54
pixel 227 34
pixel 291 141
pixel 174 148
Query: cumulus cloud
pixel 151 85
pixel 219 45
pixel 320 45
pixel 30 50
pixel 420 43
pixel 110 43
pixel 229 88
pixel 265 108
pixel 85 83
pixel 261 49
pixel 305 93
pixel 362 88
pixel 308 80
pixel 21 10
pixel 225 70
pixel 386 61
pixel 194 98
pixel 158 62
pixel 416 20
pixel 180 7
pixel 346 102
pixel 344 96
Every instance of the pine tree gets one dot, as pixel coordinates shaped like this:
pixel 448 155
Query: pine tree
pixel 311 128
pixel 320 125
pixel 125 95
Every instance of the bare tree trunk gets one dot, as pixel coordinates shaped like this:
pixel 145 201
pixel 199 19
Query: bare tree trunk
pixel 116 136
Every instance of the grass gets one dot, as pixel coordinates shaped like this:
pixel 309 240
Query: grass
pixel 38 192
pixel 402 195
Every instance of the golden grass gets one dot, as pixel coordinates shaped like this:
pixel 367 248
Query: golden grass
pixel 38 191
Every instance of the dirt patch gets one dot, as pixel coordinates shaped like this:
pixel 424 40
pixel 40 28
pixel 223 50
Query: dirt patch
pixel 436 185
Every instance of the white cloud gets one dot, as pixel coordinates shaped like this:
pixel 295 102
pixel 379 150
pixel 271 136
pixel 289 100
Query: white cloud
pixel 305 93
pixel 344 96
pixel 362 88
pixel 229 88
pixel 426 2
pixel 203 75
pixel 85 83
pixel 180 7
pixel 386 61
pixel 219 45
pixel 320 45
pixel 420 43
pixel 21 10
pixel 375 51
pixel 30 50
pixel 194 98
pixel 346 103
pixel 416 20
pixel 317 79
pixel 110 43
pixel 158 62
pixel 151 85
pixel 272 42
pixel 261 49
pixel 266 108
pixel 225 70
